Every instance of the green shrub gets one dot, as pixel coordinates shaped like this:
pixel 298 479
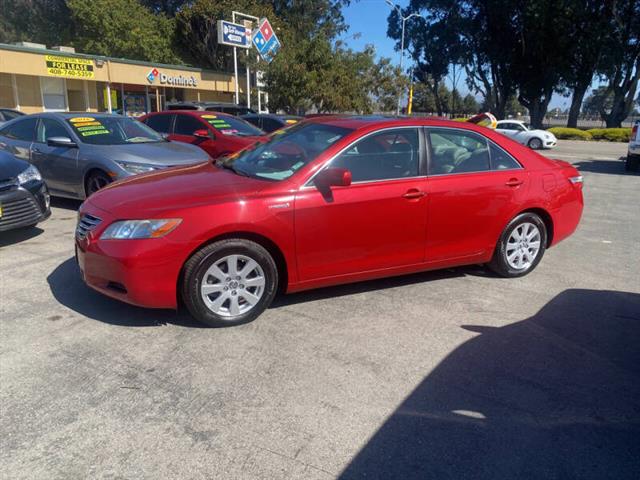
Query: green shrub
pixel 611 134
pixel 564 133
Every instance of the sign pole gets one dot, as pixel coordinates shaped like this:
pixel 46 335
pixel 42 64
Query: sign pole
pixel 235 63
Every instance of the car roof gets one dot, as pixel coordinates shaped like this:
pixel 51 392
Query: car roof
pixel 65 115
pixel 194 113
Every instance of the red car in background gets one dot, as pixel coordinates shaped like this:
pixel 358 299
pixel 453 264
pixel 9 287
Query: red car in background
pixel 330 200
pixel 218 134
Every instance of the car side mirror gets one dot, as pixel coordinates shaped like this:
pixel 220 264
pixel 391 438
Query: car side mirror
pixel 202 133
pixel 61 142
pixel 333 177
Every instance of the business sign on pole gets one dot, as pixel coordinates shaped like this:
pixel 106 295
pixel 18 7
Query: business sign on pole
pixel 266 41
pixel 233 34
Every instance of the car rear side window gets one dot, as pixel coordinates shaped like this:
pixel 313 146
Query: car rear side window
pixel 385 155
pixel 186 125
pixel 457 151
pixel 501 160
pixel 21 130
pixel 160 123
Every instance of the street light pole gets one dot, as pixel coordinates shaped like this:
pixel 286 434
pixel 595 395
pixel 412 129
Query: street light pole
pixel 404 21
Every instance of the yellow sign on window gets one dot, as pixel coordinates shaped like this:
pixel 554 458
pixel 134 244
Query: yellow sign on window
pixel 69 67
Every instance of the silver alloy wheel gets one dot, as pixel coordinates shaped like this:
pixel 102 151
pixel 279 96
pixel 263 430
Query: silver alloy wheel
pixel 523 246
pixel 535 144
pixel 96 183
pixel 233 285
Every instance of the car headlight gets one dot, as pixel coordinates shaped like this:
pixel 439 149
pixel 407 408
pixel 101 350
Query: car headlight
pixel 135 168
pixel 132 229
pixel 30 174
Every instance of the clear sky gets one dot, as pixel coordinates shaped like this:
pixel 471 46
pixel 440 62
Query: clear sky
pixel 368 18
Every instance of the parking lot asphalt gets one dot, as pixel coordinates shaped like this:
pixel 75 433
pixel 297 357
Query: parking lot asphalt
pixel 449 374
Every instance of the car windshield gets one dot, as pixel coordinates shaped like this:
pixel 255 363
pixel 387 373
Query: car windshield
pixel 228 125
pixel 285 152
pixel 112 130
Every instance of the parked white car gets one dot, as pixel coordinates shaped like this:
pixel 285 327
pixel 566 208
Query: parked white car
pixel 534 139
pixel 633 154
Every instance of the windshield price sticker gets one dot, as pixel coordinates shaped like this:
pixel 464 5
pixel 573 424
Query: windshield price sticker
pixel 69 66
pixel 209 116
pixel 82 119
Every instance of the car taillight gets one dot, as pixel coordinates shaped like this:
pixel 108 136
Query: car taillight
pixel 634 131
pixel 577 180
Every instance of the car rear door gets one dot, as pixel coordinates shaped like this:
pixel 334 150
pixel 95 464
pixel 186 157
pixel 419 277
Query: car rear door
pixel 17 137
pixel 58 165
pixel 378 222
pixel 475 187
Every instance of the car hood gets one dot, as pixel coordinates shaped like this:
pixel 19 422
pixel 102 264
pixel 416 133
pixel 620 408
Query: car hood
pixel 10 166
pixel 542 133
pixel 166 154
pixel 147 195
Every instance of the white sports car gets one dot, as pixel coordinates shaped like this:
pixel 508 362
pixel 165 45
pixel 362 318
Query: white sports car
pixel 534 139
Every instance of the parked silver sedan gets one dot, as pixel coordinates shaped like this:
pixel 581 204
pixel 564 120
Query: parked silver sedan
pixel 79 153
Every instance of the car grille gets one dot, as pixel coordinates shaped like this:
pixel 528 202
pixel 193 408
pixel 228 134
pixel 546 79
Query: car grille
pixel 7 183
pixel 19 212
pixel 86 224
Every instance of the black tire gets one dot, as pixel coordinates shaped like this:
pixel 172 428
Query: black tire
pixel 95 181
pixel 632 163
pixel 197 266
pixel 535 144
pixel 499 263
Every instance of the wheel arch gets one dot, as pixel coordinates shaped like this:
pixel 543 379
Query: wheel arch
pixel 92 169
pixel 546 218
pixel 274 250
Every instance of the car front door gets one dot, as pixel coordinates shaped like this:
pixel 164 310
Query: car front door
pixel 17 137
pixel 474 189
pixel 378 222
pixel 58 164
pixel 183 131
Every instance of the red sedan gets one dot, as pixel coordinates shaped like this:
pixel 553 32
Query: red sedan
pixel 216 133
pixel 331 200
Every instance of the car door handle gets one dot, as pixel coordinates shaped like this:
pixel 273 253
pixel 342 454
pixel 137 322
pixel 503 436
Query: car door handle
pixel 514 182
pixel 413 194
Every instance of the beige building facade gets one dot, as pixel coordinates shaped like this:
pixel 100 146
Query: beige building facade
pixel 35 79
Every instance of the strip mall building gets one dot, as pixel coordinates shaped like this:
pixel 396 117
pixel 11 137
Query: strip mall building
pixel 35 79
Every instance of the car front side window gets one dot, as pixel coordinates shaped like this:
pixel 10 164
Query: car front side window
pixel 48 128
pixel 390 154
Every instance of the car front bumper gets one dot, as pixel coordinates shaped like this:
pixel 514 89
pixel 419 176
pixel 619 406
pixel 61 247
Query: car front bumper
pixel 549 143
pixel 24 205
pixel 141 272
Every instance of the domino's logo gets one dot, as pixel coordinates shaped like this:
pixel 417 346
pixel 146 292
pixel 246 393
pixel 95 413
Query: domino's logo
pixel 151 76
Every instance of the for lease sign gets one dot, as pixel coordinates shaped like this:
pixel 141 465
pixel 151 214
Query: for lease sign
pixel 59 66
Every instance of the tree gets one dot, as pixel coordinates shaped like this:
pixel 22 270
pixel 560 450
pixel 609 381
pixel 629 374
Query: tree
pixel 469 105
pixel 601 99
pixel 621 61
pixel 587 32
pixel 122 28
pixel 40 21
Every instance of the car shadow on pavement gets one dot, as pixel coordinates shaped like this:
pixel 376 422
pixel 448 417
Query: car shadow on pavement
pixel 373 285
pixel 68 288
pixel 611 167
pixel 554 396
pixel 66 203
pixel 11 237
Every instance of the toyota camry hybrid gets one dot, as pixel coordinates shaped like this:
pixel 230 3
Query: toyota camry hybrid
pixel 328 201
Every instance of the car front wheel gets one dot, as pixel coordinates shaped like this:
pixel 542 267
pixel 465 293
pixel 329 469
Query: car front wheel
pixel 535 144
pixel 229 282
pixel 521 246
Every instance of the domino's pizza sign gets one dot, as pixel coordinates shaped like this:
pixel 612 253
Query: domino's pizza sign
pixel 266 41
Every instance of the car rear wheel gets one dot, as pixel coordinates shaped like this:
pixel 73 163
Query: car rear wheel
pixel 229 282
pixel 95 181
pixel 521 246
pixel 535 144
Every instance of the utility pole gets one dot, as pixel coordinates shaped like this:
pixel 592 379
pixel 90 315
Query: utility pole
pixel 404 21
